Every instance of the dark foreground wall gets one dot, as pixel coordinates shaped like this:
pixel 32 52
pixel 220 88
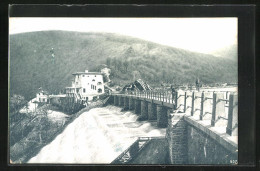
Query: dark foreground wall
pixel 155 152
pixel 204 150
pixel 189 145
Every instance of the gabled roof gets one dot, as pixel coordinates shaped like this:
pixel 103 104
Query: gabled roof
pixel 137 85
pixel 43 92
pixel 87 73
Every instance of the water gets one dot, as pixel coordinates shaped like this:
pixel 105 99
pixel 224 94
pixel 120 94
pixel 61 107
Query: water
pixel 97 136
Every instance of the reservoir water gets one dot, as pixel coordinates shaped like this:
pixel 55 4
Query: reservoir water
pixel 97 137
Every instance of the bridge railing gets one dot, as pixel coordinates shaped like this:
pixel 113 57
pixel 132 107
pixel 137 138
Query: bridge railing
pixel 161 95
pixel 220 107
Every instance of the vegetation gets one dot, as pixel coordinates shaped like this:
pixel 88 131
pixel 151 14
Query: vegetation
pixel 16 103
pixel 34 130
pixel 32 64
pixel 31 132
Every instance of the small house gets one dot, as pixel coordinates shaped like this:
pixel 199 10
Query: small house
pixel 42 96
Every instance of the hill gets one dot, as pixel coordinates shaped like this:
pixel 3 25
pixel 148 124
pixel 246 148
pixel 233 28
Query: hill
pixel 229 52
pixel 31 64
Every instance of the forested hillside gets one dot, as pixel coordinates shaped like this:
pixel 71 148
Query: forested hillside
pixel 32 65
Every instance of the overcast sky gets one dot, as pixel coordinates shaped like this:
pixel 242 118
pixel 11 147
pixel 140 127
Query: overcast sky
pixel 203 35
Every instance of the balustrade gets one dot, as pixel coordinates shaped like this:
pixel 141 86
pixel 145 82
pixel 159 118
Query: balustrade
pixel 219 107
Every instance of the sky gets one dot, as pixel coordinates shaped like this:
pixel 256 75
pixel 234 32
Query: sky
pixel 204 35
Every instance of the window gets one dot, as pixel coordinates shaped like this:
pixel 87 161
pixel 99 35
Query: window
pixel 84 90
pixel 95 87
pixel 99 90
pixel 99 83
pixel 95 75
pixel 83 75
pixel 93 80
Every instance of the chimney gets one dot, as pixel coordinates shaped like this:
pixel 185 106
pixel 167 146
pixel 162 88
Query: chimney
pixel 86 71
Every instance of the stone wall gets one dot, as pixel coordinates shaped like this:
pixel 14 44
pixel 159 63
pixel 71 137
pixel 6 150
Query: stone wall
pixel 155 152
pixel 189 145
pixel 202 149
pixel 177 139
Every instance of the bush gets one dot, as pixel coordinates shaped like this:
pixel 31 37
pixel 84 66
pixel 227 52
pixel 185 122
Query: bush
pixel 16 102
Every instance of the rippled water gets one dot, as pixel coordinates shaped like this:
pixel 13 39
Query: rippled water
pixel 97 136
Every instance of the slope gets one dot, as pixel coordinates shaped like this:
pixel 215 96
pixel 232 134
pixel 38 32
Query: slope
pixel 31 64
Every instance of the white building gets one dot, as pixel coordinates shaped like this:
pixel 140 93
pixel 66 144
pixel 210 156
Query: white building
pixel 42 96
pixel 86 85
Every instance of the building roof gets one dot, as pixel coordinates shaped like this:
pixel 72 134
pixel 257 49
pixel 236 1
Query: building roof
pixel 43 92
pixel 137 85
pixel 87 73
pixel 70 87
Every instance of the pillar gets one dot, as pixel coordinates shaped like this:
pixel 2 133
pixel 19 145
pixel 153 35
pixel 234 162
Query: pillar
pixel 131 104
pixel 218 110
pixel 232 115
pixel 197 105
pixel 161 116
pixel 192 103
pixel 126 103
pixel 189 103
pixel 137 106
pixel 121 101
pixel 152 111
pixel 115 100
pixel 144 110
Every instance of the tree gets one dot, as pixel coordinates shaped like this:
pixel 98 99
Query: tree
pixel 16 103
pixel 106 72
pixel 126 64
pixel 115 63
pixel 164 75
pixel 119 65
pixel 108 61
pixel 129 52
pixel 136 75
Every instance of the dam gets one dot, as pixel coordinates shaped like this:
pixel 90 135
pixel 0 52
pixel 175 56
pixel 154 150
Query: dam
pixel 150 127
pixel 97 137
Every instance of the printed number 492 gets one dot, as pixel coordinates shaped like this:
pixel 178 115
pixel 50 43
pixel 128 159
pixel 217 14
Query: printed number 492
pixel 233 161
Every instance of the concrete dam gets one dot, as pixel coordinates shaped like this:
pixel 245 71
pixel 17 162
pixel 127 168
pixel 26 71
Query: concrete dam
pixel 98 136
pixel 151 128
